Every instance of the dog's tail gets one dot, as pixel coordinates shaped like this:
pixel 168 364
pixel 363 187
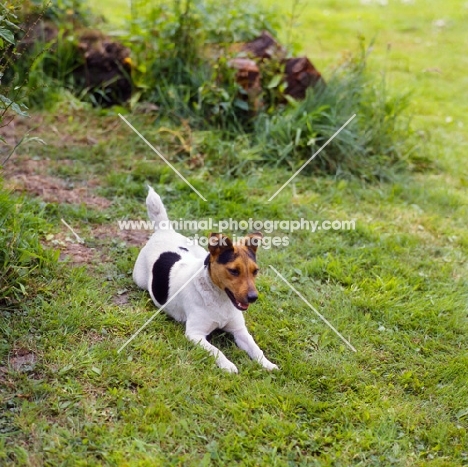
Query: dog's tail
pixel 156 210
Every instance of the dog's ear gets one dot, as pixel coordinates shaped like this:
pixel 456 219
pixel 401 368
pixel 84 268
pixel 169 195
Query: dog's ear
pixel 253 240
pixel 218 242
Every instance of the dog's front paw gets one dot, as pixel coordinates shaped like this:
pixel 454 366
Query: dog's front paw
pixel 228 366
pixel 268 365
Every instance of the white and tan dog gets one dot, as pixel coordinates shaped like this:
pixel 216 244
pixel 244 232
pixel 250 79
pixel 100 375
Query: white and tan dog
pixel 216 297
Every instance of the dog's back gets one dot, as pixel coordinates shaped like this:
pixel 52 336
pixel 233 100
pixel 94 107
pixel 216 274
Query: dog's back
pixel 165 247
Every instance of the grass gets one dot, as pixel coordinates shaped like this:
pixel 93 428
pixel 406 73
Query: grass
pixel 396 287
pixel 21 253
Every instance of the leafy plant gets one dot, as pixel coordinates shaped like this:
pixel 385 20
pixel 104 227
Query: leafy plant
pixel 21 252
pixel 41 63
pixel 230 22
pixel 8 26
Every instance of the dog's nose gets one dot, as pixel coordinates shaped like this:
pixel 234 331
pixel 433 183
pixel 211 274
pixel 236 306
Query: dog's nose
pixel 252 297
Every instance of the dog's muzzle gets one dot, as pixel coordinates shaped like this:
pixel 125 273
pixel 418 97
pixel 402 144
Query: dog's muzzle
pixel 251 297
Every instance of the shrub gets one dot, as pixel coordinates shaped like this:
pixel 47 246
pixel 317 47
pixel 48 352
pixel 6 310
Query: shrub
pixel 40 64
pixel 182 66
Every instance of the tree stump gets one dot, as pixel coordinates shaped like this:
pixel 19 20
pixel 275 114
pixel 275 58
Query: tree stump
pixel 264 46
pixel 300 75
pixel 106 68
pixel 248 74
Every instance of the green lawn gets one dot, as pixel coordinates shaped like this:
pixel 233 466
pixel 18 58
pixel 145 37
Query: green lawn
pixel 395 287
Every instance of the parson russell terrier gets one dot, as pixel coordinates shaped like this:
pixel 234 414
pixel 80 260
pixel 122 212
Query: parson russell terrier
pixel 216 298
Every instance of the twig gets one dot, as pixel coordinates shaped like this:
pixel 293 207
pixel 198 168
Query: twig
pixel 78 238
pixel 13 150
pixel 24 139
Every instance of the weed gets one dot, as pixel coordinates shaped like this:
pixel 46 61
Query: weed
pixel 21 253
pixel 9 99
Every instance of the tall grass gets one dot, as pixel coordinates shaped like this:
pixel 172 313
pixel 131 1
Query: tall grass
pixel 21 253
pixel 372 145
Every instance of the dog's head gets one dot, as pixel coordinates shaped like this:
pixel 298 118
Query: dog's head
pixel 233 267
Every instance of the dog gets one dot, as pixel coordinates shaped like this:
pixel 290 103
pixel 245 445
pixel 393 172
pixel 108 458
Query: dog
pixel 206 290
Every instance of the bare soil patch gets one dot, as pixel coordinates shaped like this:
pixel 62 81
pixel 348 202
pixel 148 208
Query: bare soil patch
pixel 82 253
pixel 15 127
pixel 55 190
pixel 121 299
pixel 130 237
pixel 77 253
pixel 21 360
pixel 25 174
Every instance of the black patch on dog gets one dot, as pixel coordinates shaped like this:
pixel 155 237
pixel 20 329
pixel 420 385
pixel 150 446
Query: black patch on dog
pixel 161 270
pixel 252 255
pixel 227 256
pixel 207 260
pixel 183 248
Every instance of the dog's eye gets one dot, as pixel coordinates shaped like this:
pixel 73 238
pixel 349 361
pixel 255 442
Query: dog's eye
pixel 255 272
pixel 233 272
